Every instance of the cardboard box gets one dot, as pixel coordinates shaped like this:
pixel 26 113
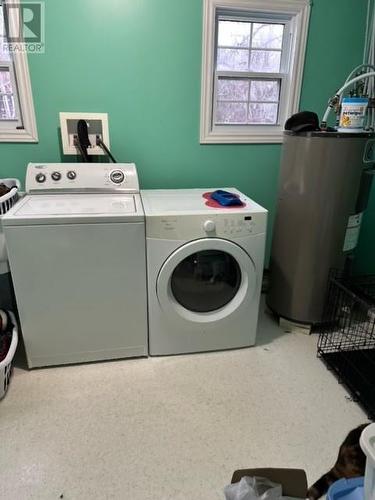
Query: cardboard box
pixel 293 481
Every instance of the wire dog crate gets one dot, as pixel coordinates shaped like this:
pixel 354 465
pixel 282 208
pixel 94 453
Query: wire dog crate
pixel 347 336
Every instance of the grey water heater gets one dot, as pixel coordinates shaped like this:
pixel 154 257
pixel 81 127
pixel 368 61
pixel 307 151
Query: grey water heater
pixel 324 187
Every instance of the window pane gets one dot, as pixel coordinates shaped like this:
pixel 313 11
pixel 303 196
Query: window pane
pixel 267 36
pixel 2 27
pixel 264 90
pixel 231 112
pixel 4 53
pixel 234 34
pixel 5 82
pixel 260 113
pixel 7 107
pixel 232 59
pixel 232 90
pixel 265 61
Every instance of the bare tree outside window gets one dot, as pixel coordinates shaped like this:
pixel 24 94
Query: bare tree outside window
pixel 249 48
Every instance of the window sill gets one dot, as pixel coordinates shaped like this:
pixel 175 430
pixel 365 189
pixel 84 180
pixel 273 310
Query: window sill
pixel 215 137
pixel 18 136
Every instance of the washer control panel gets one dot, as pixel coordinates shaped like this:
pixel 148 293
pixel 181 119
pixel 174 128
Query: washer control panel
pixel 188 227
pixel 82 177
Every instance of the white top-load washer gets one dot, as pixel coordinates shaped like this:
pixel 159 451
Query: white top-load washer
pixel 76 246
pixel 205 266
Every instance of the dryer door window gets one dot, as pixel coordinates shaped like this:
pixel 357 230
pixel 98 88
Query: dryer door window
pixel 206 281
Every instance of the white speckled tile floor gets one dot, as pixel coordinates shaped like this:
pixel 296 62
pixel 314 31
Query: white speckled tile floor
pixel 171 428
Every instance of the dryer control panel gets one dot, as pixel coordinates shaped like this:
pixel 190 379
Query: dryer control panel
pixel 189 227
pixel 81 177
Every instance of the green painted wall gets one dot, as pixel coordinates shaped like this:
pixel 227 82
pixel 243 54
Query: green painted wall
pixel 365 255
pixel 140 61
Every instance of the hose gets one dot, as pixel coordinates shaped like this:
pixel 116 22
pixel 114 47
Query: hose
pixel 355 70
pixel 340 91
pixel 367 70
pixel 365 47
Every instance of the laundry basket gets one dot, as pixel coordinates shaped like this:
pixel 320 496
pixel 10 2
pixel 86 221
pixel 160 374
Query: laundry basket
pixel 6 363
pixel 6 202
pixel 9 199
pixel 347 489
pixel 368 446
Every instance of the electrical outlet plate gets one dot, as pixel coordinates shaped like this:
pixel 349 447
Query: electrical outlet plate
pixel 97 125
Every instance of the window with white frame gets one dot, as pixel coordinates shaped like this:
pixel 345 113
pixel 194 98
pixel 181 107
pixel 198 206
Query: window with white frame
pixel 17 116
pixel 253 54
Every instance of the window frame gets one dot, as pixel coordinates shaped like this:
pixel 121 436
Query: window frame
pixel 295 15
pixel 24 128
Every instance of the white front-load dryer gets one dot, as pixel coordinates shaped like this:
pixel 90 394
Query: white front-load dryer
pixel 205 266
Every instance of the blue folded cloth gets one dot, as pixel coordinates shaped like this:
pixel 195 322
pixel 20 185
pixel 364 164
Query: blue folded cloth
pixel 226 199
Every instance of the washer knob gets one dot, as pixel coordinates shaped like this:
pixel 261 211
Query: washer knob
pixel 40 178
pixel 117 176
pixel 209 226
pixel 56 176
pixel 71 175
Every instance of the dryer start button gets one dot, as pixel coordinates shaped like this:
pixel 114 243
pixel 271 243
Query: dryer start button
pixel 209 226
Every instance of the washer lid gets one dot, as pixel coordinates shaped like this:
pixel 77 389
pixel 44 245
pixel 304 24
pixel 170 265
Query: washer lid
pixel 75 208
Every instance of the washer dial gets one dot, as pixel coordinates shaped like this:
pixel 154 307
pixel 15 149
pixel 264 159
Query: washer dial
pixel 56 176
pixel 117 176
pixel 71 175
pixel 40 178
